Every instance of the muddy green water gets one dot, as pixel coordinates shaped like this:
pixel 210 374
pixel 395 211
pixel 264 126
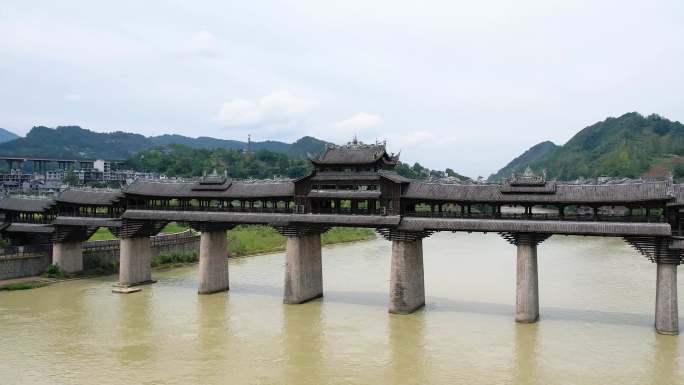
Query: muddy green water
pixel 596 298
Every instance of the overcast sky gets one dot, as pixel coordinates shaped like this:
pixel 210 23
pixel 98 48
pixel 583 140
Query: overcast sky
pixel 461 84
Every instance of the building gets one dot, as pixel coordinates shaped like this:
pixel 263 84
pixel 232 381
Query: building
pixel 355 178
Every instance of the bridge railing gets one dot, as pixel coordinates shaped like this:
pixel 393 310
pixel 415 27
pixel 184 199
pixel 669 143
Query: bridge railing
pixel 267 210
pixel 541 216
pixel 157 241
pixel 43 220
pixel 344 211
pixel 89 215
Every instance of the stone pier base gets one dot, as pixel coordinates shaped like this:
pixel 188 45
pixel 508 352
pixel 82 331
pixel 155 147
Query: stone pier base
pixel 135 261
pixel 407 285
pixel 303 269
pixel 68 256
pixel 213 262
pixel 527 284
pixel 666 314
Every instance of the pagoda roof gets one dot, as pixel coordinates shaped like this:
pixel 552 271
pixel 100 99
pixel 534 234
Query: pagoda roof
pixel 34 205
pixel 90 197
pixel 235 190
pixel 355 153
pixel 561 193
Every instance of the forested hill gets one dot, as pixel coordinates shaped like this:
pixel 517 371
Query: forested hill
pixel 76 142
pixel 180 160
pixel 300 148
pixel 184 161
pixel 520 163
pixel 627 146
pixel 6 136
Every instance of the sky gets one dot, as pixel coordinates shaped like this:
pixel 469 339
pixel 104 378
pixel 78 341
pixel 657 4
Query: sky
pixel 467 85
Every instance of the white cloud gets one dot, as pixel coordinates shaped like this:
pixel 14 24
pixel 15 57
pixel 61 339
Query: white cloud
pixel 360 121
pixel 278 107
pixel 202 43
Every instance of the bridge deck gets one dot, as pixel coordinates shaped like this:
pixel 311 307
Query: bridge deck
pixel 536 226
pixel 265 219
pixel 411 224
pixel 86 221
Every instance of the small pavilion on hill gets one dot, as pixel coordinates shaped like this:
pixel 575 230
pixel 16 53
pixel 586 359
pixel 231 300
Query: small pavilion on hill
pixel 355 178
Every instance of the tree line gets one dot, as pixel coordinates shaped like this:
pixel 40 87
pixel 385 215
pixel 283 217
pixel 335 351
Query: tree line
pixel 177 160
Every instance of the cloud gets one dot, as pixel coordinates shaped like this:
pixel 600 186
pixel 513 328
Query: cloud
pixel 202 43
pixel 276 108
pixel 72 97
pixel 359 121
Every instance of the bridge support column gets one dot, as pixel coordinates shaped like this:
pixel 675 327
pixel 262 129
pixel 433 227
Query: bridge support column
pixel 407 284
pixel 666 314
pixel 303 268
pixel 527 282
pixel 135 261
pixel 213 262
pixel 68 256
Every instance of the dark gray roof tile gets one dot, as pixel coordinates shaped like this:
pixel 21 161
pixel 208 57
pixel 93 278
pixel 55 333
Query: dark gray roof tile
pixel 34 205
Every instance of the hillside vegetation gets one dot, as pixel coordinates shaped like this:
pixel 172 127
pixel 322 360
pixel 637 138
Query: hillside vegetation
pixel 177 155
pixel 627 146
pixel 78 143
pixel 184 161
pixel 519 164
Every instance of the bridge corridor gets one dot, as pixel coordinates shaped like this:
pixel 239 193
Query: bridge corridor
pixel 355 186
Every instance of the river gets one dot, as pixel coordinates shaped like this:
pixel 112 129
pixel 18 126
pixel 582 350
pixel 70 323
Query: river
pixel 596 305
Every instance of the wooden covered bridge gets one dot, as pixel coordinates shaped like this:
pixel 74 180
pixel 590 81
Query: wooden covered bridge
pixel 355 185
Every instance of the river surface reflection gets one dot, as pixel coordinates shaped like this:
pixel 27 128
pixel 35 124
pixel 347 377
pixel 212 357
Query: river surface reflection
pixel 596 301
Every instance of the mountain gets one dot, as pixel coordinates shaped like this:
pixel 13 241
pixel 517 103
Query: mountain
pixel 520 163
pixel 300 148
pixel 627 146
pixel 76 142
pixel 6 136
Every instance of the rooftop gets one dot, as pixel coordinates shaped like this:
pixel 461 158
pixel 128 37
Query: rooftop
pixel 90 196
pixel 32 204
pixel 355 153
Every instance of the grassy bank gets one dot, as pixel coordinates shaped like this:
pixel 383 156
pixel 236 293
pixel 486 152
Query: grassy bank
pixel 248 240
pixel 103 233
pixel 243 241
pixel 23 285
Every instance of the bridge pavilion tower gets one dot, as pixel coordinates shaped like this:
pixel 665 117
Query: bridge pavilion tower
pixel 355 178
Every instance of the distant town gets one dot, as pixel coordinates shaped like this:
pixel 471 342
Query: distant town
pixel 45 176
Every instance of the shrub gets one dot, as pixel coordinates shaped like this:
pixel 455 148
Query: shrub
pixel 100 266
pixel 23 285
pixel 171 258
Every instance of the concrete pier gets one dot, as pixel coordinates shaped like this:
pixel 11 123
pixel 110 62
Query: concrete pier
pixel 407 284
pixel 666 314
pixel 527 283
pixel 68 256
pixel 213 262
pixel 135 261
pixel 303 269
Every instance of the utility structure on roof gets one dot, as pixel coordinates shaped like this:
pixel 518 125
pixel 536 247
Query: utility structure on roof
pixel 355 185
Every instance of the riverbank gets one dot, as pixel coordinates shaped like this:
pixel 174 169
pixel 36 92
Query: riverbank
pixel 250 240
pixel 243 241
